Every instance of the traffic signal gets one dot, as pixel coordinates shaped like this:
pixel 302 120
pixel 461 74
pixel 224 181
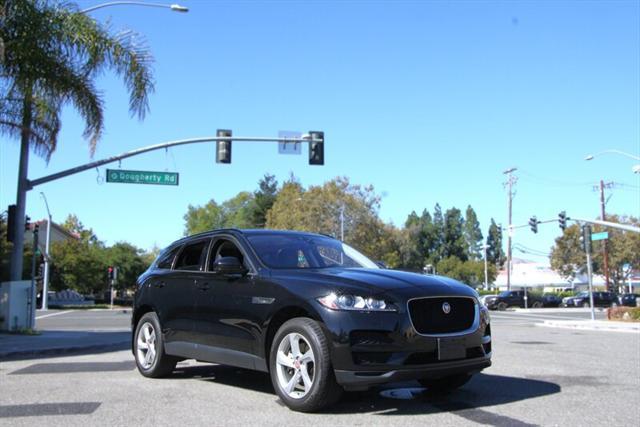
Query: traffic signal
pixel 533 223
pixel 110 274
pixel 562 220
pixel 223 148
pixel 27 223
pixel 11 223
pixel 585 238
pixel 316 148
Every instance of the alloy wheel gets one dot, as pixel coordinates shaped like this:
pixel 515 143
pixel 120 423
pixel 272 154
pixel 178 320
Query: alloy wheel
pixel 295 363
pixel 146 345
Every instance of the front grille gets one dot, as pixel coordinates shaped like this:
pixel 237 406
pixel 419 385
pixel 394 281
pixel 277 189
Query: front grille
pixel 428 316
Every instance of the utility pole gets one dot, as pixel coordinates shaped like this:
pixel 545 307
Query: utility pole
pixel 605 251
pixel 510 181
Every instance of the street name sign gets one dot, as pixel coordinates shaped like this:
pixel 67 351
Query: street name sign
pixel 142 177
pixel 600 236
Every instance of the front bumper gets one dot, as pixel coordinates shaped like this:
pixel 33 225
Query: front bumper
pixel 369 348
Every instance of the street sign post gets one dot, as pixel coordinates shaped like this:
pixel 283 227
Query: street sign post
pixel 142 177
pixel 600 236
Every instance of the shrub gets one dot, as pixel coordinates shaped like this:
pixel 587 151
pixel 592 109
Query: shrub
pixel 628 314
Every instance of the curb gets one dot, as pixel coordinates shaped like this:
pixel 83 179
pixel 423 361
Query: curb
pixel 597 325
pixel 51 352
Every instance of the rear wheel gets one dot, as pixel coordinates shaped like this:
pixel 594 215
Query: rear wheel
pixel 300 366
pixel 148 348
pixel 446 384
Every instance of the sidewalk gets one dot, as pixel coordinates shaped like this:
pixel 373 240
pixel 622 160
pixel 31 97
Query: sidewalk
pixel 52 343
pixel 594 325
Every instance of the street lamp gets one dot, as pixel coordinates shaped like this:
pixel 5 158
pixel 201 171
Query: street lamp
pixel 635 168
pixel 45 279
pixel 173 7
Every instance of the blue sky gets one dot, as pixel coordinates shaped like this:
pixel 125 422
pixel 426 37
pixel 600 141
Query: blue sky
pixel 428 101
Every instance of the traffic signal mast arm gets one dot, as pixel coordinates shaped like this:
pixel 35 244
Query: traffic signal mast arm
pixel 609 224
pixel 164 145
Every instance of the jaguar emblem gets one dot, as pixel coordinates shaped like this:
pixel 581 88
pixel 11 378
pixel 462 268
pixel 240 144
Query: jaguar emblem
pixel 446 307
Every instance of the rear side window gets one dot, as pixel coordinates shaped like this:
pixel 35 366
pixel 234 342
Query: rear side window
pixel 166 259
pixel 191 256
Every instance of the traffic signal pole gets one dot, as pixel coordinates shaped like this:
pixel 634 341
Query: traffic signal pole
pixel 315 140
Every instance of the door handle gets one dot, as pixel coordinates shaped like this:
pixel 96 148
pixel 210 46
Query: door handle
pixel 158 285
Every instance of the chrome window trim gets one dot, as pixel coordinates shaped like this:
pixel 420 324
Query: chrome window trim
pixel 476 317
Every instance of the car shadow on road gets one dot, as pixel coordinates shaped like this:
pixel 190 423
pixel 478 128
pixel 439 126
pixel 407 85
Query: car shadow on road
pixel 407 398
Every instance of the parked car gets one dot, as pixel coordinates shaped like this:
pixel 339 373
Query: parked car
pixel 508 299
pixel 600 299
pixel 551 300
pixel 316 314
pixel 628 300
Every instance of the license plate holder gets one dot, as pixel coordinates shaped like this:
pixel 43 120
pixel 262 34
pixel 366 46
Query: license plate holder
pixel 451 349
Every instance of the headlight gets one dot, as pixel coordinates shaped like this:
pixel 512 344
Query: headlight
pixel 354 302
pixel 484 315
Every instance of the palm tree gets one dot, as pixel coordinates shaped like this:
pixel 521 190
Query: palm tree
pixel 50 55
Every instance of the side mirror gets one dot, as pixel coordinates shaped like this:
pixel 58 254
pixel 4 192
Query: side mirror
pixel 229 265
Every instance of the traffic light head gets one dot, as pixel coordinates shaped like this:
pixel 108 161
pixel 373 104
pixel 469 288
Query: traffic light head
pixel 110 272
pixel 533 223
pixel 562 220
pixel 585 238
pixel 11 223
pixel 223 148
pixel 316 148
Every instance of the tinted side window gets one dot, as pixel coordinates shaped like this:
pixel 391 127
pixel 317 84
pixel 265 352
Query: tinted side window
pixel 166 259
pixel 191 255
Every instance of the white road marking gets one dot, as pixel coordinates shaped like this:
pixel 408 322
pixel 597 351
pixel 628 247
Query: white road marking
pixel 53 314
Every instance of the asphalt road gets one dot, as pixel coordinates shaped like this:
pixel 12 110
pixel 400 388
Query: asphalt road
pixel 540 376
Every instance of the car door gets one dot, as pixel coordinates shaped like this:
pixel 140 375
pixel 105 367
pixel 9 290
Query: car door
pixel 232 309
pixel 180 289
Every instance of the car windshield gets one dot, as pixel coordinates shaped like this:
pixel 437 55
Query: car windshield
pixel 306 251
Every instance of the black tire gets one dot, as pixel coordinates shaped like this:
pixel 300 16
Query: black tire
pixel 536 304
pixel 446 384
pixel 324 389
pixel 162 364
pixel 503 306
pixel 585 305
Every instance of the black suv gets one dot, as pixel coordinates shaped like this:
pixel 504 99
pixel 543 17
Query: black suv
pixel 600 299
pixel 313 312
pixel 507 299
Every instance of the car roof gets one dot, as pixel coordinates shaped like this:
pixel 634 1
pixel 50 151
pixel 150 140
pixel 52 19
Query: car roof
pixel 249 232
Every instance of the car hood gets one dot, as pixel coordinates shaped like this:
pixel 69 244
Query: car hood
pixel 374 281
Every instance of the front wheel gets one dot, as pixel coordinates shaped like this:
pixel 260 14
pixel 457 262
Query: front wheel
pixel 537 304
pixel 585 305
pixel 300 366
pixel 446 384
pixel 502 306
pixel 148 348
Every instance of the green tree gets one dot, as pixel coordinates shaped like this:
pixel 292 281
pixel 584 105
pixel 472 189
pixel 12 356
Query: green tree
pixel 263 200
pixel 472 234
pixel 51 58
pixel 567 256
pixel 129 261
pixel 454 241
pixel 80 263
pixel 233 213
pixel 495 253
pixel 317 209
pixel 469 272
